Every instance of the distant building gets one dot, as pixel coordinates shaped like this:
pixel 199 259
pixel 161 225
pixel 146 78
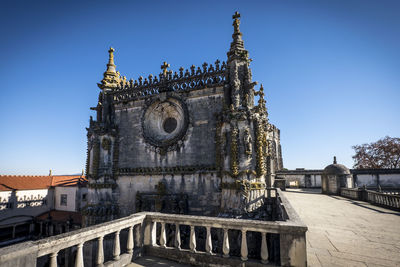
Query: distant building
pixel 35 206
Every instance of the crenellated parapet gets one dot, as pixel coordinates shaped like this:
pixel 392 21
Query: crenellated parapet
pixel 208 75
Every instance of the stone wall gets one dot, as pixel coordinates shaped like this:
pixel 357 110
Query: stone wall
pixel 202 189
pixel 198 144
pixel 301 177
pixel 386 178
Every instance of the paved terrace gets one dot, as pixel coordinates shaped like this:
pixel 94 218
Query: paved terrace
pixel 344 232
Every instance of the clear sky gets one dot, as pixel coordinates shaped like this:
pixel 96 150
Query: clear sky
pixel 330 69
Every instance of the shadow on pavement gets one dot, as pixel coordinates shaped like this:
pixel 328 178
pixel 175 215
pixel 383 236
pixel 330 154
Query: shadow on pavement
pixel 366 205
pixel 304 190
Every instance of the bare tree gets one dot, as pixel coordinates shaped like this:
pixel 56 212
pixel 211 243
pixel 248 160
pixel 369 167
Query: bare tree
pixel 385 153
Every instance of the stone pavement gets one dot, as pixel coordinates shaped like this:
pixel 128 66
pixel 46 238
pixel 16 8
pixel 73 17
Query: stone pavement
pixel 154 262
pixel 344 232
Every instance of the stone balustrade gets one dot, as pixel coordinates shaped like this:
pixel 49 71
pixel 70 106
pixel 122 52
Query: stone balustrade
pixel 26 254
pixel 384 199
pixel 152 239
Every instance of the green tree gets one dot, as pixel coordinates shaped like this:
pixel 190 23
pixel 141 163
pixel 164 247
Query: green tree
pixel 385 153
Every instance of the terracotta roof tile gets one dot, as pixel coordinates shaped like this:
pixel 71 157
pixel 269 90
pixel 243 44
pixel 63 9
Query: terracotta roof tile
pixel 26 182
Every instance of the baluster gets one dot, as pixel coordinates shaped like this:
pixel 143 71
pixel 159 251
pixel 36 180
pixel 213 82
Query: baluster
pixel 192 239
pixel 208 241
pixel 225 244
pixel 100 251
pixel 243 248
pixel 130 243
pixel 117 249
pixel 153 234
pixel 79 256
pixel 163 235
pixel 177 237
pixel 53 259
pixel 264 248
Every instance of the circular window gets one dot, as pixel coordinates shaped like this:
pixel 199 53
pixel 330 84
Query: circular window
pixel 165 122
pixel 169 125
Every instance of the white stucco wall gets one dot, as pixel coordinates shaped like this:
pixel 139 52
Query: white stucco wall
pixel 25 204
pixel 366 179
pixel 70 191
pixel 390 179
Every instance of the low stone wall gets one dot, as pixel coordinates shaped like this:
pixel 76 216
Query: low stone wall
pixel 146 234
pixel 353 193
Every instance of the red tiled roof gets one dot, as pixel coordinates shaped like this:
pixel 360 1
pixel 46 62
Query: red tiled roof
pixel 61 216
pixel 26 182
pixel 68 180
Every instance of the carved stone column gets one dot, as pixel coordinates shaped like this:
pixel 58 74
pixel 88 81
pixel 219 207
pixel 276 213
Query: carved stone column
pixel 79 256
pixel 163 236
pixel 117 250
pixel 192 239
pixel 243 248
pixel 225 244
pixel 130 243
pixel 153 233
pixel 208 241
pixel 53 259
pixel 177 237
pixel 100 251
pixel 264 248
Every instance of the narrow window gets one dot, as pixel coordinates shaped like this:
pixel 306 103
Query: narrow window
pixel 63 200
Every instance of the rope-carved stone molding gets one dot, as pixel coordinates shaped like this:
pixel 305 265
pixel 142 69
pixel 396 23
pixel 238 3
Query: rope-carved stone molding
pixel 167 170
pixel 243 184
pixel 102 185
pixel 208 76
pixel 230 174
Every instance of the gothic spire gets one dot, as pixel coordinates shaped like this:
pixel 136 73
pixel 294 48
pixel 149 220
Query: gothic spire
pixel 237 50
pixel 111 66
pixel 111 76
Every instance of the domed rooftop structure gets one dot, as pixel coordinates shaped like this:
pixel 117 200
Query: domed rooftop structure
pixel 336 169
pixel 335 177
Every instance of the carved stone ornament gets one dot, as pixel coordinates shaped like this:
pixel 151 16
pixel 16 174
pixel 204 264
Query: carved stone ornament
pixel 106 143
pixel 247 140
pixel 165 123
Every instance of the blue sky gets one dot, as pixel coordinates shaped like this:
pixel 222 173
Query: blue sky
pixel 330 69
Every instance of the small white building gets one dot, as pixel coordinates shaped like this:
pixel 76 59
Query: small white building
pixel 27 201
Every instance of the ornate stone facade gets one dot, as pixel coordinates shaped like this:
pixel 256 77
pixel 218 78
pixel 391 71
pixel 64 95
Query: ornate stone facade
pixel 195 131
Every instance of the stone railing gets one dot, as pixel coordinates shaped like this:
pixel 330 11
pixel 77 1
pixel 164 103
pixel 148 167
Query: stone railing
pixel 353 193
pixel 147 235
pixel 27 253
pixel 384 199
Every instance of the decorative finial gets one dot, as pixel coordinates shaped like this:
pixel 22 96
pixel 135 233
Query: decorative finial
pixel 164 67
pixel 82 172
pixel 111 76
pixel 237 50
pixel 50 173
pixel 111 55
pixel 334 160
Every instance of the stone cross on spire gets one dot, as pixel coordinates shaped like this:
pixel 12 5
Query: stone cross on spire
pixel 164 67
pixel 237 50
pixel 236 22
